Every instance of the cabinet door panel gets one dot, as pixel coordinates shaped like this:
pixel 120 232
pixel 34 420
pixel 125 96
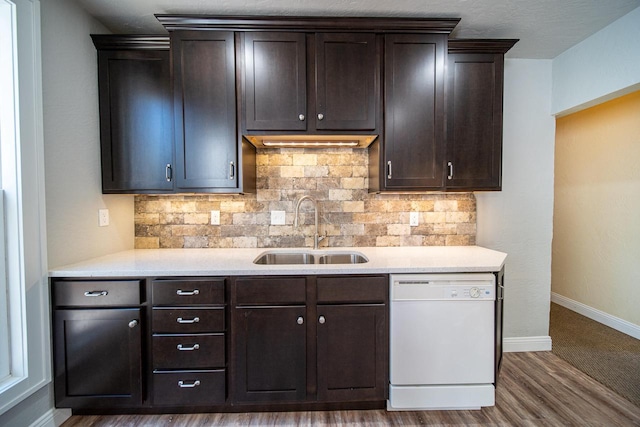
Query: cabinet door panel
pixel 270 354
pixel 136 120
pixel 414 111
pixel 204 87
pixel 98 358
pixel 276 76
pixel 474 122
pixel 347 74
pixel 352 349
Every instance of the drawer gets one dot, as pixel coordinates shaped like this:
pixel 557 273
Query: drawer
pixel 270 290
pixel 187 292
pixel 188 351
pixel 350 289
pixel 189 388
pixel 96 293
pixel 187 320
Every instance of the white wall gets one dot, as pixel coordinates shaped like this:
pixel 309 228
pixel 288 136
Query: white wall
pixel 72 144
pixel 518 220
pixel 601 67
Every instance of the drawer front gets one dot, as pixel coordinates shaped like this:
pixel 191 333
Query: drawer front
pixel 270 290
pixel 189 388
pixel 188 292
pixel 188 351
pixel 353 289
pixel 187 320
pixel 96 293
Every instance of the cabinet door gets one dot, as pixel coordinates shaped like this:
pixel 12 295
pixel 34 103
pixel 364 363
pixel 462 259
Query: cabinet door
pixel 136 120
pixel 414 111
pixel 474 121
pixel 276 81
pixel 352 352
pixel 98 358
pixel 270 354
pixel 205 110
pixel 347 75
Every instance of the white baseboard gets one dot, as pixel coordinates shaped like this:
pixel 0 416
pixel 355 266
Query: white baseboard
pixel 614 322
pixel 53 418
pixel 522 344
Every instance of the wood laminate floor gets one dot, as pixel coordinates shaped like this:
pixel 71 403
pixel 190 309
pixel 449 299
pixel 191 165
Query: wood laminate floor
pixel 535 389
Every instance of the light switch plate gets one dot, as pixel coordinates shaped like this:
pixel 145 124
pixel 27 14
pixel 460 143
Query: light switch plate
pixel 414 219
pixel 103 217
pixel 277 217
pixel 215 217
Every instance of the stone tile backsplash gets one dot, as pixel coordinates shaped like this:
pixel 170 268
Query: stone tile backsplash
pixel 348 214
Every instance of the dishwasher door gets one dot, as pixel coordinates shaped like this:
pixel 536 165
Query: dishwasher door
pixel 442 329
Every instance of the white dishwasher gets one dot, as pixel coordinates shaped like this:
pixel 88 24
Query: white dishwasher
pixel 442 341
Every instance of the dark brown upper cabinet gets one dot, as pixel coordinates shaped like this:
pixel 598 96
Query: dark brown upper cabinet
pixel 311 82
pixel 276 81
pixel 475 74
pixel 411 155
pixel 136 113
pixel 208 150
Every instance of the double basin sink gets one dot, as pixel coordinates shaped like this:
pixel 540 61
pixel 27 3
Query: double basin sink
pixel 309 257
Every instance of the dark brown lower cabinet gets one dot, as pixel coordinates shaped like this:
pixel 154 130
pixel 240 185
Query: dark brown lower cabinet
pixel 351 352
pixel 271 354
pixel 98 360
pixel 318 339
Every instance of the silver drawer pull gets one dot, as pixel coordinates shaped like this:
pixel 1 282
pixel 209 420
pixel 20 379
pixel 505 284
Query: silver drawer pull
pixel 96 294
pixel 193 347
pixel 187 293
pixel 182 384
pixel 133 323
pixel 194 320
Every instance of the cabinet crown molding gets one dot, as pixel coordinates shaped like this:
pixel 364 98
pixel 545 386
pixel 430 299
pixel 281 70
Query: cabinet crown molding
pixel 132 42
pixel 481 45
pixel 308 23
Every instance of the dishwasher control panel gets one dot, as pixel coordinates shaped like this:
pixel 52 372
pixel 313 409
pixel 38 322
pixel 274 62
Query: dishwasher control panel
pixel 469 286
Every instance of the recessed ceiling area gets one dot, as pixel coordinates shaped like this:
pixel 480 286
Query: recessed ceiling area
pixel 545 28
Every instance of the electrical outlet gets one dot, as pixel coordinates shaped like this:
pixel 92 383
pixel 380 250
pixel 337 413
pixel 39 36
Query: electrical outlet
pixel 215 217
pixel 414 219
pixel 103 217
pixel 277 217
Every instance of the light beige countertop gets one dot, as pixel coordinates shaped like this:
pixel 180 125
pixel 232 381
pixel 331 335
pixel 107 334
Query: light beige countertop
pixel 237 262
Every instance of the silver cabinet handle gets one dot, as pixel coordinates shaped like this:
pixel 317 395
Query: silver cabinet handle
pixel 193 347
pixel 300 320
pixel 194 320
pixel 168 172
pixel 301 117
pixel 187 293
pixel 500 292
pixel 320 116
pixel 96 293
pixel 183 384
pixel 322 320
pixel 232 170
pixel 133 324
pixel 450 166
pixel 389 174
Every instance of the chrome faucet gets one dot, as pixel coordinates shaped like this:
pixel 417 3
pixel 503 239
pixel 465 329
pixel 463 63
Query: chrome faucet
pixel 316 238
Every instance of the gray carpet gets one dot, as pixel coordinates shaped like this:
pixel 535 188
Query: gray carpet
pixel 608 356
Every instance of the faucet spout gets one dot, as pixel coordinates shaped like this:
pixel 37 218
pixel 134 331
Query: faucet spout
pixel 316 238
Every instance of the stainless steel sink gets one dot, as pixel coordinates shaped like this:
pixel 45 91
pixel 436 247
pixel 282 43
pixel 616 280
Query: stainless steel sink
pixel 343 258
pixel 271 258
pixel 307 257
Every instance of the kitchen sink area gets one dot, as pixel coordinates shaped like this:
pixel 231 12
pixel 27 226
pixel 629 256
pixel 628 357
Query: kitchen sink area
pixel 309 257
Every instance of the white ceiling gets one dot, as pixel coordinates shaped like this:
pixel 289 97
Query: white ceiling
pixel 545 28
